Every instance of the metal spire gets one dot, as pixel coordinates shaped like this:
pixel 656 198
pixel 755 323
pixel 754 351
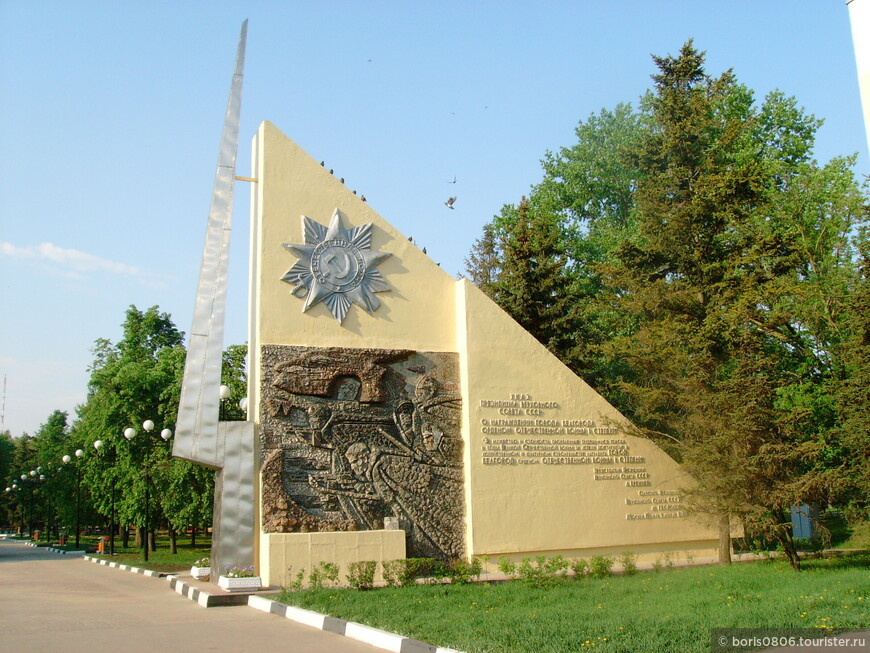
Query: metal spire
pixel 196 436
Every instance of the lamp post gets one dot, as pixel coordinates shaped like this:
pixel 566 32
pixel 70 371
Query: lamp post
pixel 67 459
pixel 30 481
pixel 130 433
pixel 15 489
pixel 98 445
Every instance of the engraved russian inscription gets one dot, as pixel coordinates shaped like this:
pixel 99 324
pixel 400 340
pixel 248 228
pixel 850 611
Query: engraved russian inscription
pixel 521 431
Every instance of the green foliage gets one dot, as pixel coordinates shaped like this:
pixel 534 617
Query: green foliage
pixel 628 562
pixel 711 281
pixel 137 378
pixel 600 566
pixel 462 572
pixel 538 572
pixel 405 571
pixel 507 566
pixel 393 571
pixel 808 544
pixel 323 572
pixel 361 574
pixel 644 612
pixel 233 376
pixel 298 582
pixel 579 567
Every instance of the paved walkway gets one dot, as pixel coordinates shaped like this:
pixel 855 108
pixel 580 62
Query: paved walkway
pixel 62 604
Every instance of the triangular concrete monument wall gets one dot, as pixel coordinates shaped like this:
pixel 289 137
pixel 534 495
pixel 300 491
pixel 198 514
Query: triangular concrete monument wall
pixel 431 423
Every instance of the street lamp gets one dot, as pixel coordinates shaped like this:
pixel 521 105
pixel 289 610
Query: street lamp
pixel 67 459
pixel 98 445
pixel 29 482
pixel 130 433
pixel 15 490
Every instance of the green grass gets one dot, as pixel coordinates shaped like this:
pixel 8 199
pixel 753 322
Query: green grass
pixel 666 611
pixel 857 536
pixel 161 559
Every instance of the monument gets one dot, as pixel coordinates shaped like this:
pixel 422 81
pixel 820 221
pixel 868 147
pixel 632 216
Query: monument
pixel 395 411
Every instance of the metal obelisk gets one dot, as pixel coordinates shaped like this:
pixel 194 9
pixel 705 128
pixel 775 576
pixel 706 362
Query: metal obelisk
pixel 199 435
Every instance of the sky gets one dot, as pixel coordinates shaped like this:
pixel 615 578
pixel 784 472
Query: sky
pixel 111 114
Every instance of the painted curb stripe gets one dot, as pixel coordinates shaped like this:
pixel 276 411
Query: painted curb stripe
pixel 373 636
pixel 135 570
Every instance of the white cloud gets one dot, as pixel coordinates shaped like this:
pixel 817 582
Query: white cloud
pixel 72 260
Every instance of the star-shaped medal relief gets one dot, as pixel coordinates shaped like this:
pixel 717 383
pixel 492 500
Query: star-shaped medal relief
pixel 336 266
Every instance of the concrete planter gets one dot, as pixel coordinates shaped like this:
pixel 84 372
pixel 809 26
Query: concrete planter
pixel 239 584
pixel 200 573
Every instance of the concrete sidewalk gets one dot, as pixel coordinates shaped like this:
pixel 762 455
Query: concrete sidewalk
pixel 63 604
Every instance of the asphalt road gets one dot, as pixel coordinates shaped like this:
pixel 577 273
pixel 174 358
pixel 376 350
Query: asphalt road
pixel 51 603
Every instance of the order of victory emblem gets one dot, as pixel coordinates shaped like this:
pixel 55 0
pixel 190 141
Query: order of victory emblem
pixel 336 266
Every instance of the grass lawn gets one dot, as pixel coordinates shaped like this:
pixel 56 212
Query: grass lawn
pixel 652 611
pixel 161 559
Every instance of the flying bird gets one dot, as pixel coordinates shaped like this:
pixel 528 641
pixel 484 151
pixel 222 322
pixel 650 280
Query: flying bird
pixel 452 182
pixel 449 203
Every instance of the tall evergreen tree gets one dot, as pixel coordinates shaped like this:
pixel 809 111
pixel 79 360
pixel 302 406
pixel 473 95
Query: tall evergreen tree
pixel 719 278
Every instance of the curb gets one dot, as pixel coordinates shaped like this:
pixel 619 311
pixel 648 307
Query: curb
pixel 373 636
pixel 203 598
pixel 135 570
pixel 62 552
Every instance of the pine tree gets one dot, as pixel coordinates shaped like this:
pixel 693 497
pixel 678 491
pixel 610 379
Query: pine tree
pixel 692 278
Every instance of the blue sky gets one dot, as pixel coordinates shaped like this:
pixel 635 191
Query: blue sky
pixel 110 118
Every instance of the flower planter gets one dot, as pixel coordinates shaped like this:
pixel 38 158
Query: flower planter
pixel 239 584
pixel 200 573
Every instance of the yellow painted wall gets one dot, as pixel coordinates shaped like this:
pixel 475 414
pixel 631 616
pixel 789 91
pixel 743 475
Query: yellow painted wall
pixel 550 507
pixel 416 313
pixel 283 555
pixel 510 509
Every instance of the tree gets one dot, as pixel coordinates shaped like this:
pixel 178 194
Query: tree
pixel 583 207
pixel 7 499
pixel 731 273
pixel 136 379
pixel 129 384
pixel 709 288
pixel 852 393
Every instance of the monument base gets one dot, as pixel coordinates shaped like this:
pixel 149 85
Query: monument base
pixel 283 555
pixel 645 555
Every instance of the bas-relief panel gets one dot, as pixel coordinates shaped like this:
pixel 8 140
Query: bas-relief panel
pixel 353 437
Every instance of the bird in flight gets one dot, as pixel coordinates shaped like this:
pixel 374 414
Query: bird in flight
pixel 449 203
pixel 452 182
